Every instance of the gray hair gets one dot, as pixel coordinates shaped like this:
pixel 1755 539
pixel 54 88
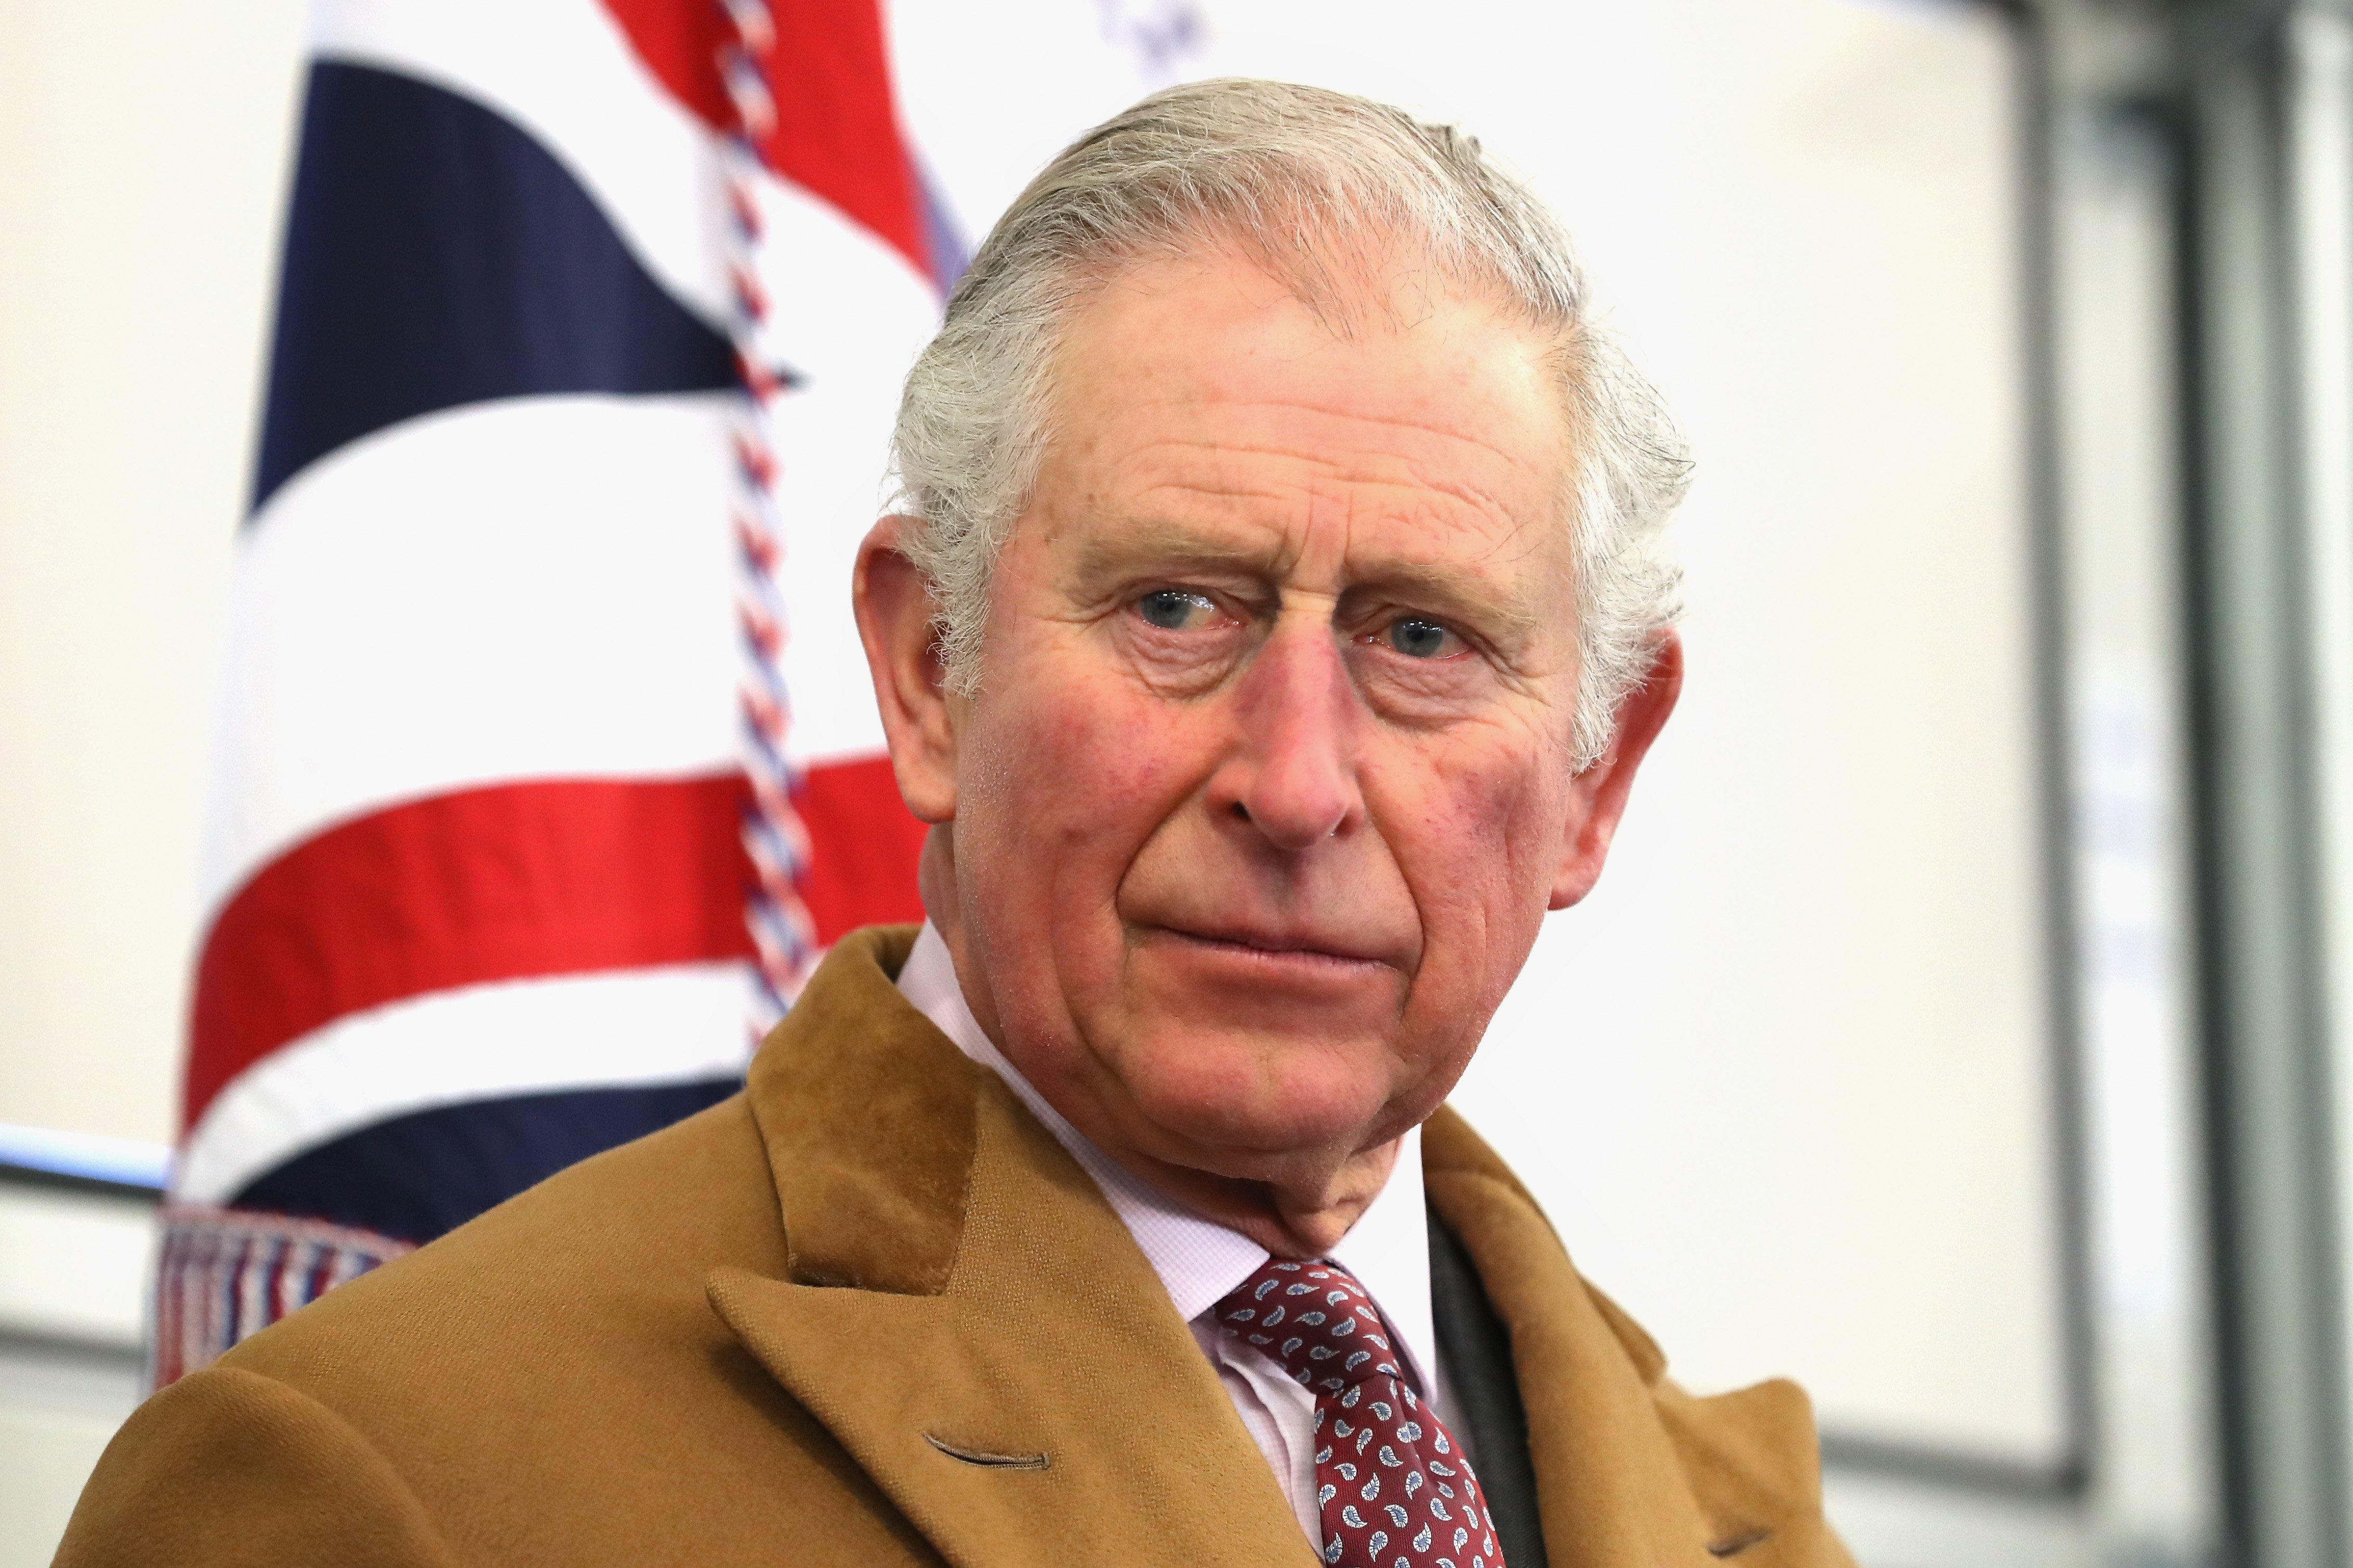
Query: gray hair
pixel 1298 177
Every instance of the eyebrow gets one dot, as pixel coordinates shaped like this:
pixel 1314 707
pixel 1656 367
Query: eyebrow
pixel 1161 543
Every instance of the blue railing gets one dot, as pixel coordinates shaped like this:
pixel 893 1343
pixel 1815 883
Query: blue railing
pixel 84 1160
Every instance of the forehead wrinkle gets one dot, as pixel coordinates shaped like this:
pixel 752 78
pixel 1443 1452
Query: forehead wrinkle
pixel 1387 471
pixel 1160 539
pixel 1415 454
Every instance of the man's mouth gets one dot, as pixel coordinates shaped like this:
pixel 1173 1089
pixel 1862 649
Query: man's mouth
pixel 1277 947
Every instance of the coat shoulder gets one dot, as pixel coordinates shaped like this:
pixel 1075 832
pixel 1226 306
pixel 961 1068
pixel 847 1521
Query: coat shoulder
pixel 546 1383
pixel 228 1466
pixel 606 1257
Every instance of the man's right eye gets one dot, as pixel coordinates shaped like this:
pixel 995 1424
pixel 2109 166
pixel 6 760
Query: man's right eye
pixel 1175 610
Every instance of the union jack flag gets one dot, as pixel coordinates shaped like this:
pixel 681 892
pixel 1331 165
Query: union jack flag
pixel 546 760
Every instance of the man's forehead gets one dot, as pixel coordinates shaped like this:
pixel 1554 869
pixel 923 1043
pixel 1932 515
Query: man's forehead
pixel 1207 418
pixel 1218 327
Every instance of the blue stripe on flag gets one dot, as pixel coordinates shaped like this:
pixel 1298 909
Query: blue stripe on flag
pixel 943 244
pixel 418 1175
pixel 437 255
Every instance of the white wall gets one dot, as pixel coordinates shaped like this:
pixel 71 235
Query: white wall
pixel 1785 1080
pixel 142 150
pixel 59 1406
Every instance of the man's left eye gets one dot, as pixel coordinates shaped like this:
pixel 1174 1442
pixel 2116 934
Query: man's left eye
pixel 1419 638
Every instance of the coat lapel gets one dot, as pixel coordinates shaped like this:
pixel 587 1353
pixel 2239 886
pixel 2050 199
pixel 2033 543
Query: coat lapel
pixel 968 1317
pixel 1631 1471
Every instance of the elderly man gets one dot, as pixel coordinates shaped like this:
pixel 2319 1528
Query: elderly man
pixel 1270 630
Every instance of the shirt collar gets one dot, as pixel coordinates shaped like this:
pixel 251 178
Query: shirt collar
pixel 1198 1260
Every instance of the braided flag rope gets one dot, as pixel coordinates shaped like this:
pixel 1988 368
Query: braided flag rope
pixel 774 835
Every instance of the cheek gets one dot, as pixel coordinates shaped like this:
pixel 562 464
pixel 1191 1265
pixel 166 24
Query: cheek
pixel 1066 776
pixel 1479 840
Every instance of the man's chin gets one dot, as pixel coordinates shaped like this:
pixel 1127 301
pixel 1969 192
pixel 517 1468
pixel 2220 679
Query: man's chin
pixel 1250 1108
pixel 1294 1187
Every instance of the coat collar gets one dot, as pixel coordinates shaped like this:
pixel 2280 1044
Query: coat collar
pixel 977 1327
pixel 944 1249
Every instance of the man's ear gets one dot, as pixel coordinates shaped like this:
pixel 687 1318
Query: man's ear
pixel 895 621
pixel 1598 797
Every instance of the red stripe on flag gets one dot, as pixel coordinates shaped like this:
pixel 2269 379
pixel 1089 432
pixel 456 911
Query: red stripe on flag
pixel 863 847
pixel 515 881
pixel 836 131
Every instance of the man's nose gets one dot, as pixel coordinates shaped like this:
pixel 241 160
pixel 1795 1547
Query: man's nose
pixel 1293 774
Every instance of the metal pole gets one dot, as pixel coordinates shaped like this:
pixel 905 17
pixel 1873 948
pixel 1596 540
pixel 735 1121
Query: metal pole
pixel 2258 828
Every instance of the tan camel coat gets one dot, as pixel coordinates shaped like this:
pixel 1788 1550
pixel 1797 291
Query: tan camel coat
pixel 868 1311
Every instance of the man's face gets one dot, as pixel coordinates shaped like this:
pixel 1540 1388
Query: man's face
pixel 1268 782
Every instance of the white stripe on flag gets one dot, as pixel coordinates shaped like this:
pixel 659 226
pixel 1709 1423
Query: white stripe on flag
pixel 538 588
pixel 668 1025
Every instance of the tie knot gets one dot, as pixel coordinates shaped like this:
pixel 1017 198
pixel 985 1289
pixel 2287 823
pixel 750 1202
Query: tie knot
pixel 1314 1320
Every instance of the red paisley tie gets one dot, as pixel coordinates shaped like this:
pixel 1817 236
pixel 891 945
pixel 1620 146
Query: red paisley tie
pixel 1394 1487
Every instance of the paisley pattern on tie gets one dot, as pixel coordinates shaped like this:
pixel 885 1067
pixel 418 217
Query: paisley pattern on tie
pixel 1394 1490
